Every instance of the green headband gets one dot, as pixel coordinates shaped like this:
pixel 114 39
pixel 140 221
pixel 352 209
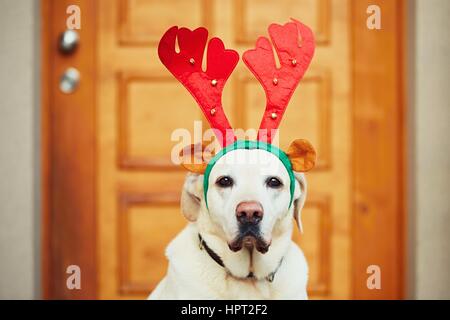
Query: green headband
pixel 247 144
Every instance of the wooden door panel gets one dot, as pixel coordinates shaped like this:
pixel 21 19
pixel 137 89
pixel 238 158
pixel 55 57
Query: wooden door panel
pixel 150 109
pixel 146 223
pixel 142 22
pixel 315 242
pixel 252 17
pixel 141 104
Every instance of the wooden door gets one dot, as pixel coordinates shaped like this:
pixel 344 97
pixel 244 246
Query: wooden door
pixel 135 104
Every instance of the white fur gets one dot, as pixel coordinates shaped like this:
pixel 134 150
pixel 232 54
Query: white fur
pixel 193 274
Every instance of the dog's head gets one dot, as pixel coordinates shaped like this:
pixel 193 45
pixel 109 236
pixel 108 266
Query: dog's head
pixel 245 194
pixel 249 198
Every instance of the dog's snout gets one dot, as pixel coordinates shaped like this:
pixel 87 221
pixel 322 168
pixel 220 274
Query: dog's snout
pixel 249 212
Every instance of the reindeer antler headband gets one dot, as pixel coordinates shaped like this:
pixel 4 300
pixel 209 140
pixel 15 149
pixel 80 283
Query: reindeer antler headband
pixel 278 83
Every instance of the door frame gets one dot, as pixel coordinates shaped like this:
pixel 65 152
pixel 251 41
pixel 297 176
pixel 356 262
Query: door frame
pixel 69 182
pixel 68 155
pixel 379 149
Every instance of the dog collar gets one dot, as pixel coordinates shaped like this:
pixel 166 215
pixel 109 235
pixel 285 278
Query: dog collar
pixel 248 145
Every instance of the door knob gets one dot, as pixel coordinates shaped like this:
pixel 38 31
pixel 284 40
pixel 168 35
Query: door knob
pixel 68 41
pixel 69 80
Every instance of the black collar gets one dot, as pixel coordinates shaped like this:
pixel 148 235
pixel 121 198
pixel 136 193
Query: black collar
pixel 218 260
pixel 211 253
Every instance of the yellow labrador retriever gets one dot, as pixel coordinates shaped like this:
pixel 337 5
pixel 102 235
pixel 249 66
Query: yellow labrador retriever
pixel 241 203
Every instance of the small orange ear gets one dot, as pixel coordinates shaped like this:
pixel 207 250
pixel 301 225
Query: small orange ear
pixel 195 157
pixel 302 155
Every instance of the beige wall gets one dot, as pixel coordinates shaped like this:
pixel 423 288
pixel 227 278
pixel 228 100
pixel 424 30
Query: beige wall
pixel 430 198
pixel 19 243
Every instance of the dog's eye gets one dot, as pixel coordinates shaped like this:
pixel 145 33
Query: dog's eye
pixel 273 182
pixel 224 182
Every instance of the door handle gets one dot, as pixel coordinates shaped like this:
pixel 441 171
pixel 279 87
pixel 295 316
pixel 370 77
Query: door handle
pixel 68 41
pixel 69 80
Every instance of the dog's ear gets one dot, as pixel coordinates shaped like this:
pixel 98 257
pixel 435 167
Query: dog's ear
pixel 299 198
pixel 191 196
pixel 195 157
pixel 302 155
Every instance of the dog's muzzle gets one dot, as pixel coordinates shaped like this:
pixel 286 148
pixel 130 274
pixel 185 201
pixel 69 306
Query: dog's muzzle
pixel 249 215
pixel 249 240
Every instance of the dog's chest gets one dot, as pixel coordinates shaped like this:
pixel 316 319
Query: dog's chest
pixel 247 289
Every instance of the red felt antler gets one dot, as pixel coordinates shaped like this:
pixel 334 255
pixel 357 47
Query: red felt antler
pixel 280 83
pixel 205 86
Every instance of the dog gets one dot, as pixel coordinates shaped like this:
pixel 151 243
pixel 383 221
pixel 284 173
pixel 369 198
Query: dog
pixel 238 245
pixel 241 203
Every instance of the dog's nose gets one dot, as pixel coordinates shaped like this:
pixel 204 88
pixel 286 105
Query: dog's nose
pixel 249 212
